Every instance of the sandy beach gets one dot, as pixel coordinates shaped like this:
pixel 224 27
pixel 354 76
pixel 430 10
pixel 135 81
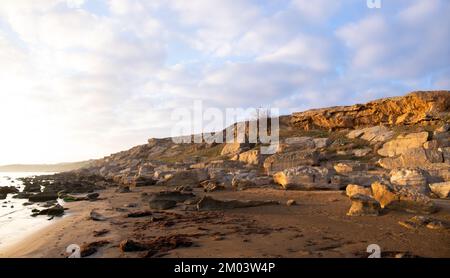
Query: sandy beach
pixel 316 227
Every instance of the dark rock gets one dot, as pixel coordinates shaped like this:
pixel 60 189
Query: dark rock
pixel 92 248
pixel 23 195
pixel 100 233
pixel 162 204
pixel 92 196
pixel 8 190
pixel 209 203
pixel 176 196
pixel 123 189
pixel 43 197
pixel 96 216
pixel 139 214
pixel 130 245
pixel 56 210
pixel 2 196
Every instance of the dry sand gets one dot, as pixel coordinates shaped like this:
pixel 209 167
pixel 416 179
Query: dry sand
pixel 316 227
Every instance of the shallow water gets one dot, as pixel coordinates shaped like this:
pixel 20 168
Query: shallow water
pixel 15 218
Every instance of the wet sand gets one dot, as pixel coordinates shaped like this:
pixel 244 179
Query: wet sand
pixel 317 227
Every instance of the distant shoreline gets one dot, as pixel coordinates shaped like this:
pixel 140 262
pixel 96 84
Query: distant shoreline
pixel 59 167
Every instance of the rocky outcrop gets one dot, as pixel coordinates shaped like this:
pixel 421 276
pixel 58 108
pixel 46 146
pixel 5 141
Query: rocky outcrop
pixel 414 108
pixel 403 143
pixel 281 161
pixel 305 178
pixel 373 134
pixel 402 198
pixel 209 203
pixel 354 189
pixel 364 205
pixel 441 189
pixel 411 177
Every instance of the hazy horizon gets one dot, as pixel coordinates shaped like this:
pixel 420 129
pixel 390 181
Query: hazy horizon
pixel 84 79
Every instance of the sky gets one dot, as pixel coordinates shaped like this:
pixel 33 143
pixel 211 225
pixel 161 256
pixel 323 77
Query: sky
pixel 81 79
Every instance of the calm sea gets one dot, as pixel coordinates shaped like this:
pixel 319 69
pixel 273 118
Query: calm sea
pixel 15 220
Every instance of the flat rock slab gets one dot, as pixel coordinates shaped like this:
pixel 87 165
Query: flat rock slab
pixel 162 204
pixel 209 203
pixel 176 196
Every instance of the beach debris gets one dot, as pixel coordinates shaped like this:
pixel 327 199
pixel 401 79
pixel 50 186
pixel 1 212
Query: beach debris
pixel 209 203
pixel 96 216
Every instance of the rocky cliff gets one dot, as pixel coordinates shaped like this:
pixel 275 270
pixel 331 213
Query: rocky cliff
pixel 415 108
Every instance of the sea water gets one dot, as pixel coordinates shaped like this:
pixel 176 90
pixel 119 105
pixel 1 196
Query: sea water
pixel 16 221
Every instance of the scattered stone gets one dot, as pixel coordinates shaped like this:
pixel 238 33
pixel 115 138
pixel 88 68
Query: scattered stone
pixel 424 221
pixel 290 203
pixel 364 205
pixel 97 216
pixel 402 198
pixel 56 210
pixel 242 184
pixel 211 186
pixel 209 203
pixel 123 189
pixel 92 248
pixel 100 233
pixel 43 197
pixel 8 190
pixel 441 189
pixel 353 189
pixel 92 196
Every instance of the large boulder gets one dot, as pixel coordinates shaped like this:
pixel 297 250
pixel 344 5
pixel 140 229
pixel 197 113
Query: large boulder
pixel 403 143
pixel 364 205
pixel 402 198
pixel 441 189
pixel 250 157
pixel 414 157
pixel 354 189
pixel 373 134
pixel 305 178
pixel 346 167
pixel 187 177
pixel 231 149
pixel 411 177
pixel 281 161
pixel 8 190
